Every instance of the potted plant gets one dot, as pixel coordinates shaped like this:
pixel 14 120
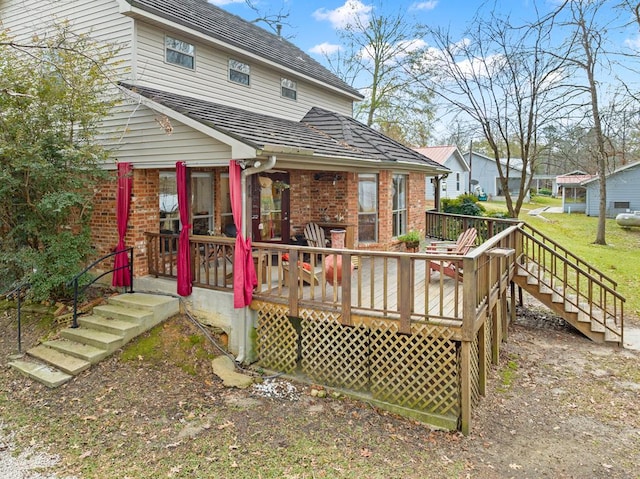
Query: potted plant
pixel 411 239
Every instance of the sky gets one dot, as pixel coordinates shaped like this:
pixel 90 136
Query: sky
pixel 314 25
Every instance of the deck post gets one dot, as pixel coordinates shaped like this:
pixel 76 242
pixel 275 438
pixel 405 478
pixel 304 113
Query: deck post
pixel 465 387
pixel 345 288
pixel 405 295
pixel 292 280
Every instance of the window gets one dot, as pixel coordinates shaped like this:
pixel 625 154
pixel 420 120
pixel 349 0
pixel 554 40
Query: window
pixel 202 203
pixel 169 217
pixel 239 72
pixel 289 88
pixel 457 181
pixel 226 215
pixel 367 208
pixel 180 53
pixel 399 206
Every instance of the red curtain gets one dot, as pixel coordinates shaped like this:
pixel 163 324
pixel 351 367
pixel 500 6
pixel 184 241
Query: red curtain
pixel 184 252
pixel 121 275
pixel 244 272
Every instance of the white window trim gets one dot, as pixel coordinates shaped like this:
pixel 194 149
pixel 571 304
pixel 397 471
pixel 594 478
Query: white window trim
pixel 294 90
pixel 181 52
pixel 229 69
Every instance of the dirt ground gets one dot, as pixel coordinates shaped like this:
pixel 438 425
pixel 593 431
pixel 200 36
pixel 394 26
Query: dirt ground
pixel 557 406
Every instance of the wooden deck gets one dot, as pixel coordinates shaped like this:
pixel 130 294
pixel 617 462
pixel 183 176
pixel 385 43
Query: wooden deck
pixel 408 336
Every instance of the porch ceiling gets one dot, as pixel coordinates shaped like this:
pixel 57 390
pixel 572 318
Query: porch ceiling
pixel 321 138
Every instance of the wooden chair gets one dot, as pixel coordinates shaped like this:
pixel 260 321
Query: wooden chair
pixel 314 234
pixel 463 244
pixel 308 276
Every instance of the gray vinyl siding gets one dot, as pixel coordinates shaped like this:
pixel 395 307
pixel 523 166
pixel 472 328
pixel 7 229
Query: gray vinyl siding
pixel 148 144
pixel 99 18
pixel 622 186
pixel 209 80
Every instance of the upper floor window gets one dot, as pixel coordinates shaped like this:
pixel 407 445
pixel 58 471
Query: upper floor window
pixel 179 52
pixel 239 72
pixel 289 88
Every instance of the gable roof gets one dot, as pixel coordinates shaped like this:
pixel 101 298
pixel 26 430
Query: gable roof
pixel 320 133
pixel 616 172
pixel 440 154
pixel 230 29
pixel 573 178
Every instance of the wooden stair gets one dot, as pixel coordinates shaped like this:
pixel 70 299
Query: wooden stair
pixel 586 317
pixel 100 334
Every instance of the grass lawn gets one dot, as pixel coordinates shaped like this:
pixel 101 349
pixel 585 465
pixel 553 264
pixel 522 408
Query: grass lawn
pixel 619 259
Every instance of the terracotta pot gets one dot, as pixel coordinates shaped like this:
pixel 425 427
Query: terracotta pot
pixel 334 262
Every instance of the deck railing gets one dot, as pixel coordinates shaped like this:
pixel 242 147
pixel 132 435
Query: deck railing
pixel 394 285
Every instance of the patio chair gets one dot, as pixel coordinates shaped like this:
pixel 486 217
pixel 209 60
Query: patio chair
pixel 308 276
pixel 462 245
pixel 314 234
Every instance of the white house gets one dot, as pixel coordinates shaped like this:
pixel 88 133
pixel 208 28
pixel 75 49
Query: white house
pixel 455 183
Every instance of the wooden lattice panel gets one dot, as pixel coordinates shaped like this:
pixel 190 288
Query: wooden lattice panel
pixel 474 368
pixel 277 338
pixel 333 354
pixel 417 371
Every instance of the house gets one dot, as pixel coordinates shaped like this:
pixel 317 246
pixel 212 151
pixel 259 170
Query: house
pixel 574 194
pixel 623 194
pixel 484 173
pixel 201 87
pixel 455 183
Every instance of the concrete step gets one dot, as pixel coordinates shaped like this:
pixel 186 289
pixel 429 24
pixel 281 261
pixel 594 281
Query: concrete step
pixel 118 327
pixel 42 373
pixel 124 313
pixel 162 306
pixel 78 350
pixel 99 339
pixel 64 362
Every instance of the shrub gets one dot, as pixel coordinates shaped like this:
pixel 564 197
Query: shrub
pixel 463 205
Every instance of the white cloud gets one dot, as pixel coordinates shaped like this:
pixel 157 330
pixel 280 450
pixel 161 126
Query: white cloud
pixel 633 43
pixel 325 49
pixel 352 12
pixel 220 3
pixel 430 5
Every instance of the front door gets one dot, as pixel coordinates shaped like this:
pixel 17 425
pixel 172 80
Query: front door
pixel 270 207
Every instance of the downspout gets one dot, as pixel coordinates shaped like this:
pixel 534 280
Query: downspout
pixel 245 326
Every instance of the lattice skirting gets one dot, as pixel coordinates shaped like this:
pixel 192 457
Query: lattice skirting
pixel 419 371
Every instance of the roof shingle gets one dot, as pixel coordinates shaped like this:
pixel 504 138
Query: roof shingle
pixel 323 132
pixel 233 30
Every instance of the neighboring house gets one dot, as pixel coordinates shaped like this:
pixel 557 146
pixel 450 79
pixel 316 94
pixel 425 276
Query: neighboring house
pixel 623 194
pixel 574 194
pixel 455 183
pixel 203 87
pixel 484 173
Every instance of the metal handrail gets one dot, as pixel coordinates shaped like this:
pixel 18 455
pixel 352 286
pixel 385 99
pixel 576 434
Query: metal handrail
pixel 17 291
pixel 77 291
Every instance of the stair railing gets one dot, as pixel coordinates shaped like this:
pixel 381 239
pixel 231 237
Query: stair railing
pixel 75 281
pixel 563 252
pixel 17 291
pixel 564 274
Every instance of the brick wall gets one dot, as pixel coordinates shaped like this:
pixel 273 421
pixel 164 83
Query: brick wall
pixel 310 196
pixel 144 216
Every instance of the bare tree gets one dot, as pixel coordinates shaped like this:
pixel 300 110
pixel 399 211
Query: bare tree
pixel 502 78
pixel 586 47
pixel 377 53
pixel 275 20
